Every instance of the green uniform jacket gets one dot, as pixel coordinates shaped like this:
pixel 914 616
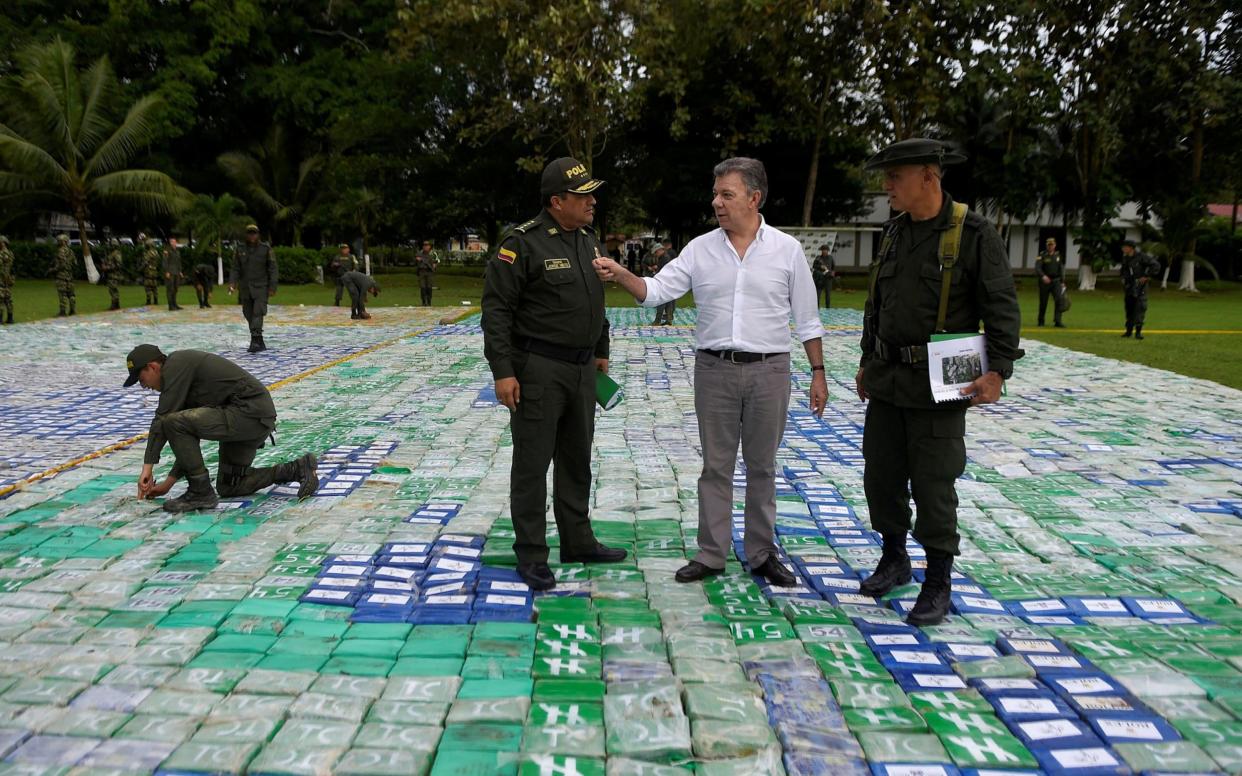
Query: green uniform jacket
pixel 192 378
pixel 6 268
pixel 361 282
pixel 902 310
pixel 254 269
pixel 1052 265
pixel 1140 265
pixel 112 264
pixel 64 265
pixel 541 284
pixel 172 263
pixel 150 263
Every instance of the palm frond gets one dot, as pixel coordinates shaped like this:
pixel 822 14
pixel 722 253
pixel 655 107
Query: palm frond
pixel 126 140
pixel 93 124
pixel 23 157
pixel 151 192
pixel 247 173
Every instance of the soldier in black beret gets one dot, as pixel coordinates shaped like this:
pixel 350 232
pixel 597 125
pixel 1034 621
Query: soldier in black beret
pixel 941 269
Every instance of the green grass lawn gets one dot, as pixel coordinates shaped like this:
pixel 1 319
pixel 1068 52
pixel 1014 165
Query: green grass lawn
pixel 1095 322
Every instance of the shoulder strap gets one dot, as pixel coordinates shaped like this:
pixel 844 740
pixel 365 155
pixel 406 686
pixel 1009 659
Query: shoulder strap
pixel 950 247
pixel 886 244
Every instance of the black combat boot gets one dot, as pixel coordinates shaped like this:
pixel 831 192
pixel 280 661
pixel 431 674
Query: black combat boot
pixel 200 495
pixel 254 345
pixel 892 570
pixel 933 602
pixel 301 471
pixel 1129 331
pixel 262 344
pixel 1138 332
pixel 115 306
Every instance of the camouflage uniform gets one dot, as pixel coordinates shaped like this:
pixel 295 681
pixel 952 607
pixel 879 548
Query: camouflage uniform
pixel 112 275
pixel 6 281
pixel 64 279
pixel 151 272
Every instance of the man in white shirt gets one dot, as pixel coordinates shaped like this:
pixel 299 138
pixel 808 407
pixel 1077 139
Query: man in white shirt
pixel 749 280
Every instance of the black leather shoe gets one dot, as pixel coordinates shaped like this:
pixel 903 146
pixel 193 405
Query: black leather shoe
pixel 774 572
pixel 537 575
pixel 892 570
pixel 600 554
pixel 694 571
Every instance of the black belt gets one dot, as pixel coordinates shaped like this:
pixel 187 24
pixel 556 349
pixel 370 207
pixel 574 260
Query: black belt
pixel 907 354
pixel 559 352
pixel 740 357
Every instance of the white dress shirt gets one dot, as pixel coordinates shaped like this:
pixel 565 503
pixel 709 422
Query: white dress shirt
pixel 743 304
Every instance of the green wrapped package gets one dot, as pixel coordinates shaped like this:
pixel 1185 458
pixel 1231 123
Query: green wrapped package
pixel 665 739
pixel 408 712
pixel 545 713
pixel 1166 756
pixel 885 720
pixel 903 748
pixel 382 762
pixel 980 750
pixel 571 740
pixel 384 735
pixel 481 736
pixel 727 702
pixel 868 695
pixel 314 733
pixel 194 757
pixel 228 731
pixel 512 710
pixel 719 739
pixel 279 761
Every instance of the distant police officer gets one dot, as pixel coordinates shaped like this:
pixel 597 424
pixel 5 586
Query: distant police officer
pixel 341 263
pixel 822 271
pixel 150 269
pixel 254 276
pixel 1137 270
pixel 172 273
pixel 63 267
pixel 359 284
pixel 425 264
pixel 921 284
pixel 205 396
pixel 1050 269
pixel 544 336
pixel 112 273
pixel 6 281
pixel 204 281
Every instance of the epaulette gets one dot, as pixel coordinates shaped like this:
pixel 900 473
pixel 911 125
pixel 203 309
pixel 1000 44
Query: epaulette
pixel 524 228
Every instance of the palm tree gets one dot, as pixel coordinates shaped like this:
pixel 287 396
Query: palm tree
pixel 66 138
pixel 214 219
pixel 275 180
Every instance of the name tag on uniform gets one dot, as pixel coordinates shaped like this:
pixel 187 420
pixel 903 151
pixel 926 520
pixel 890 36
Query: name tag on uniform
pixel 551 264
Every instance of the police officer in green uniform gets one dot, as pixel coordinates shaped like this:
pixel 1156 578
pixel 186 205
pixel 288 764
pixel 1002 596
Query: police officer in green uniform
pixel 205 396
pixel 1137 270
pixel 425 264
pixel 112 273
pixel 911 444
pixel 544 336
pixel 341 263
pixel 359 284
pixel 6 281
pixel 1050 269
pixel 150 270
pixel 172 274
pixel 65 294
pixel 254 273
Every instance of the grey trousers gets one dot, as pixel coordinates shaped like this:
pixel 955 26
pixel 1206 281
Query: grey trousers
pixel 745 403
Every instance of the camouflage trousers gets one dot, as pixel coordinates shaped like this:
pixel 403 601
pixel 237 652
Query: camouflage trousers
pixel 114 293
pixel 66 296
pixel 152 285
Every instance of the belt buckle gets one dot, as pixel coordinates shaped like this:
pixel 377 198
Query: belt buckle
pixel 733 356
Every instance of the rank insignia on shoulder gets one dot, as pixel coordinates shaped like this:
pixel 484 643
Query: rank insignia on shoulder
pixel 551 264
pixel 506 255
pixel 522 228
pixel 552 230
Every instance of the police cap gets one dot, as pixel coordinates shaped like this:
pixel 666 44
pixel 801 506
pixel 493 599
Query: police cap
pixel 915 150
pixel 567 174
pixel 138 359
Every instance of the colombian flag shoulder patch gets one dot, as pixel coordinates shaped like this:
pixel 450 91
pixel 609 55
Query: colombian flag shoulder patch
pixel 506 255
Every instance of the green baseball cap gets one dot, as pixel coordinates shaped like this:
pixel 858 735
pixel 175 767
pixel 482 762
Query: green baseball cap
pixel 567 174
pixel 138 359
pixel 915 150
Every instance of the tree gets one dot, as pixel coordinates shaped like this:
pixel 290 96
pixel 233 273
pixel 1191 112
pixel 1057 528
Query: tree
pixel 67 139
pixel 277 179
pixel 215 219
pixel 360 208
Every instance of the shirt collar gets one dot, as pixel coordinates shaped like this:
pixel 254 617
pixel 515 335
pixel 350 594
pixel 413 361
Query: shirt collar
pixel 759 235
pixel 945 219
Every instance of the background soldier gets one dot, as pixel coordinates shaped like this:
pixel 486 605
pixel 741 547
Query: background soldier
pixel 112 273
pixel 425 263
pixel 341 263
pixel 254 272
pixel 204 281
pixel 172 273
pixel 359 284
pixel 150 270
pixel 205 396
pixel 911 444
pixel 544 336
pixel 63 267
pixel 6 281
pixel 1050 268
pixel 822 272
pixel 1136 271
